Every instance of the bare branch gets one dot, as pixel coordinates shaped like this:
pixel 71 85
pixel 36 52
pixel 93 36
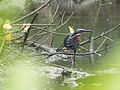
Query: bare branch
pixel 35 24
pixel 101 44
pixel 55 13
pixel 64 22
pixel 49 31
pixel 27 32
pixel 62 17
pixel 102 34
pixel 46 39
pixel 108 47
pixel 97 14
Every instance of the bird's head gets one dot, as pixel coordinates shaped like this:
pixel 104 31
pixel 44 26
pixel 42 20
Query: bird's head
pixel 78 31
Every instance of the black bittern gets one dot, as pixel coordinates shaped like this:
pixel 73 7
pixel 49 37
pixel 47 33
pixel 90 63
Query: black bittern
pixel 72 41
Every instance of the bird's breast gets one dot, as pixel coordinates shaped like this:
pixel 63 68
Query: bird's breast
pixel 77 39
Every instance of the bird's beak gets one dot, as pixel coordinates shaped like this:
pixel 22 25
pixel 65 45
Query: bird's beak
pixel 71 29
pixel 83 30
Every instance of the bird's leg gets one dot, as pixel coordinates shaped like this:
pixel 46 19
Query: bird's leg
pixel 90 36
pixel 73 60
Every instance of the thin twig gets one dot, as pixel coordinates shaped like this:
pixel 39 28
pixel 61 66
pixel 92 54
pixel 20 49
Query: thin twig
pixel 2 46
pixel 49 31
pixel 64 22
pixel 55 13
pixel 28 31
pixel 79 54
pixel 41 36
pixel 46 39
pixel 35 24
pixel 108 38
pixel 62 19
pixel 83 48
pixel 36 34
pixel 18 14
pixel 101 44
pixel 96 17
pixel 109 3
pixel 108 47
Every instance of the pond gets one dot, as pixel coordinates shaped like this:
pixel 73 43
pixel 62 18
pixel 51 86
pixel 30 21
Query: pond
pixel 26 72
pixel 104 74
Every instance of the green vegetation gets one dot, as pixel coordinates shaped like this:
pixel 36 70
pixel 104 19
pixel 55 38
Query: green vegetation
pixel 24 66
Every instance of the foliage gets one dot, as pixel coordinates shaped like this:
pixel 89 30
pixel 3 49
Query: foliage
pixel 22 66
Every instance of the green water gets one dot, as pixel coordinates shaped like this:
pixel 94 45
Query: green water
pixel 106 68
pixel 103 75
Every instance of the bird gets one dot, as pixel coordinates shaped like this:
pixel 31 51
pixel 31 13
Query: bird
pixel 72 40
